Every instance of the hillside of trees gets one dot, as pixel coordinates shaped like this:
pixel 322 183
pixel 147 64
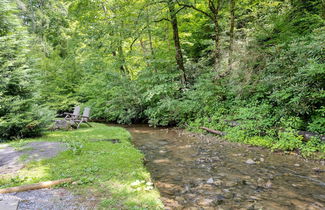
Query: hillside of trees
pixel 253 69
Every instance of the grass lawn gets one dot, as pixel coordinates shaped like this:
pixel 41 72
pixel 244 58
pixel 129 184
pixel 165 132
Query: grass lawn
pixel 112 173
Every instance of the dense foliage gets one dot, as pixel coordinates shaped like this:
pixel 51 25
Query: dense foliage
pixel 256 64
pixel 20 116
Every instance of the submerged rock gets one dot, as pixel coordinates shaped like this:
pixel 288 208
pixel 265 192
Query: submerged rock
pixel 205 202
pixel 268 184
pixel 250 161
pixel 210 181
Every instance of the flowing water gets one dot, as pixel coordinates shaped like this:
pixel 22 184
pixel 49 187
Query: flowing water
pixel 196 172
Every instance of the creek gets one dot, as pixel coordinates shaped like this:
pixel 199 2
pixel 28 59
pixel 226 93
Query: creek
pixel 204 172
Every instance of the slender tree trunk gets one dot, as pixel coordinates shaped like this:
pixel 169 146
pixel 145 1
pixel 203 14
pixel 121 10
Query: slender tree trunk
pixel 121 59
pixel 179 55
pixel 152 52
pixel 150 36
pixel 143 47
pixel 119 54
pixel 323 9
pixel 215 17
pixel 216 44
pixel 145 52
pixel 231 33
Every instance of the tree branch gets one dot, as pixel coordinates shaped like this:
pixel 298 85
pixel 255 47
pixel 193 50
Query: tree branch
pixel 179 10
pixel 136 38
pixel 195 8
pixel 162 19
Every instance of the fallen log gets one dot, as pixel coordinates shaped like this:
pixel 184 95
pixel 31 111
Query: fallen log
pixel 34 186
pixel 220 133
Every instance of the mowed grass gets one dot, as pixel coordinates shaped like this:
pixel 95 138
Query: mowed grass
pixel 113 174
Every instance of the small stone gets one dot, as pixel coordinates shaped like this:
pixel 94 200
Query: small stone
pixel 205 202
pixel 268 184
pixel 219 199
pixel 250 161
pixel 262 159
pixel 218 182
pixel 260 181
pixel 179 199
pixel 210 181
pixel 297 165
pixel 230 184
pixel 254 197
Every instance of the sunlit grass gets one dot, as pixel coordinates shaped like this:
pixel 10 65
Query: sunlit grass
pixel 108 170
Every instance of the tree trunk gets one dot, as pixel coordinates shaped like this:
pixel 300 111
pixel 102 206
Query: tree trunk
pixel 231 33
pixel 150 37
pixel 323 9
pixel 215 17
pixel 179 55
pixel 152 51
pixel 121 58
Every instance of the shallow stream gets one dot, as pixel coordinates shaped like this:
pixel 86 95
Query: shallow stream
pixel 199 172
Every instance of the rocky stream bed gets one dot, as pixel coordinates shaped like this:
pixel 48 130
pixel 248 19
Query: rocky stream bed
pixel 200 172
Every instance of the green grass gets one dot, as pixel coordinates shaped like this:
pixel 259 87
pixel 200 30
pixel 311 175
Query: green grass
pixel 113 173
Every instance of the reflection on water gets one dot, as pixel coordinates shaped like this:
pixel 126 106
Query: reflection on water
pixel 206 173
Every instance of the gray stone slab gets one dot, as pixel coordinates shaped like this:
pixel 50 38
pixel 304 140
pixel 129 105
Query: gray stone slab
pixel 10 204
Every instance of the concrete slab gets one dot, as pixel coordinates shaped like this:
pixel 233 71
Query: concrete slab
pixel 10 204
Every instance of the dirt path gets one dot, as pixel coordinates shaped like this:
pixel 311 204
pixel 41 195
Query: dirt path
pixel 207 173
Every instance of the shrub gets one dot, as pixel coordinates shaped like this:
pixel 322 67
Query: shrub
pixel 288 140
pixel 312 146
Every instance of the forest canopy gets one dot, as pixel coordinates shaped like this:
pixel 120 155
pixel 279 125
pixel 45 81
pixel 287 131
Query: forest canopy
pixel 256 64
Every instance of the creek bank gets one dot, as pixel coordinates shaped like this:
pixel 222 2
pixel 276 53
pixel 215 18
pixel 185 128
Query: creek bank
pixel 198 171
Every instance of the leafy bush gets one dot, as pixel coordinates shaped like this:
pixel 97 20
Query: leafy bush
pixel 317 123
pixel 288 140
pixel 312 146
pixel 265 141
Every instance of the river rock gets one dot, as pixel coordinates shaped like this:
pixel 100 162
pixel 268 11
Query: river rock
pixel 221 174
pixel 219 199
pixel 163 142
pixel 205 202
pixel 255 197
pixel 230 183
pixel 210 181
pixel 268 184
pixel 250 161
pixel 179 199
pixel 218 182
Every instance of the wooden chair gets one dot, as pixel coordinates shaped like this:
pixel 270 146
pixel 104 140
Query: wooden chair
pixel 72 116
pixel 84 117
